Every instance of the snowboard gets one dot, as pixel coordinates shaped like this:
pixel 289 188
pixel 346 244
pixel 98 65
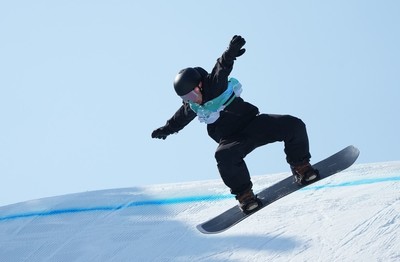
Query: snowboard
pixel 327 167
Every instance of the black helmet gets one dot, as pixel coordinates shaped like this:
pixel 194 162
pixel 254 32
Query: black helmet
pixel 186 80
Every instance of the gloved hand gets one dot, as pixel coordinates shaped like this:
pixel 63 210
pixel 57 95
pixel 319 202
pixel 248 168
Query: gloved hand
pixel 161 133
pixel 235 46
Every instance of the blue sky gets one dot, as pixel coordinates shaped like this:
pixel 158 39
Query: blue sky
pixel 84 83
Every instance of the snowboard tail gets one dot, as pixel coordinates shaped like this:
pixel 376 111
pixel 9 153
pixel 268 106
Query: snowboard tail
pixel 327 167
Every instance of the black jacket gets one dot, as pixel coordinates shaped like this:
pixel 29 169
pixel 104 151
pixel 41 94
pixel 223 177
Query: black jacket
pixel 232 119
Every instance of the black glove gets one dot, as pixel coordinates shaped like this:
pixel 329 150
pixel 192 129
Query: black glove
pixel 235 46
pixel 161 133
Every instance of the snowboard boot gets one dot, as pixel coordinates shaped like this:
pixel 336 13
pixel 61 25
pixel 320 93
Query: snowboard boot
pixel 248 202
pixel 304 173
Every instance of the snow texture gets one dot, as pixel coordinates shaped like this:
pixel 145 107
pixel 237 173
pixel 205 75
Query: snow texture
pixel 351 216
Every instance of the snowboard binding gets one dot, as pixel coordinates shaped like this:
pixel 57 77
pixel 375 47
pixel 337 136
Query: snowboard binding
pixel 309 176
pixel 248 202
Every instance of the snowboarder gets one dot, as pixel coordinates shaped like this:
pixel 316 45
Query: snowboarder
pixel 236 125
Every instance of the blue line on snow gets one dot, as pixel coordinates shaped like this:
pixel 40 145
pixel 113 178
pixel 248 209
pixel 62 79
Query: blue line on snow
pixel 366 181
pixel 179 200
pixel 154 202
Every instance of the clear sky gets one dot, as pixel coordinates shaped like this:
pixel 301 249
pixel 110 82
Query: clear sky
pixel 84 83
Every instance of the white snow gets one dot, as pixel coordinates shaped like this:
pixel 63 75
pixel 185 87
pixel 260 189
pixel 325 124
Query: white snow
pixel 352 216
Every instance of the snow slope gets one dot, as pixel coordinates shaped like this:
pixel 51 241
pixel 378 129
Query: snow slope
pixel 352 216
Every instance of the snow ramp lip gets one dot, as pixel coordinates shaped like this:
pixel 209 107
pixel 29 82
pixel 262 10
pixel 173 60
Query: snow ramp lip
pixel 180 200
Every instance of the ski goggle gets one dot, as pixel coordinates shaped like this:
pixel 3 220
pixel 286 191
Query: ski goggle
pixel 190 97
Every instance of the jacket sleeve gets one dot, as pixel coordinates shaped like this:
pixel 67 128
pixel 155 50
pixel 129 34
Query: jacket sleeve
pixel 182 117
pixel 224 65
pixel 220 73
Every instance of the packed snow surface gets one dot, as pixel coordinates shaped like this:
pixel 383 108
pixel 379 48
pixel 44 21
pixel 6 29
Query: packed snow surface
pixel 351 216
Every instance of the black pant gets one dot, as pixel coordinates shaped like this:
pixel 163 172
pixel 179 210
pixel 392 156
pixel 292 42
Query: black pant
pixel 264 129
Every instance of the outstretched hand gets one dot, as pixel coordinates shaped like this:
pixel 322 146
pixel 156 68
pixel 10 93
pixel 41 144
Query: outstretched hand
pixel 161 133
pixel 235 46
